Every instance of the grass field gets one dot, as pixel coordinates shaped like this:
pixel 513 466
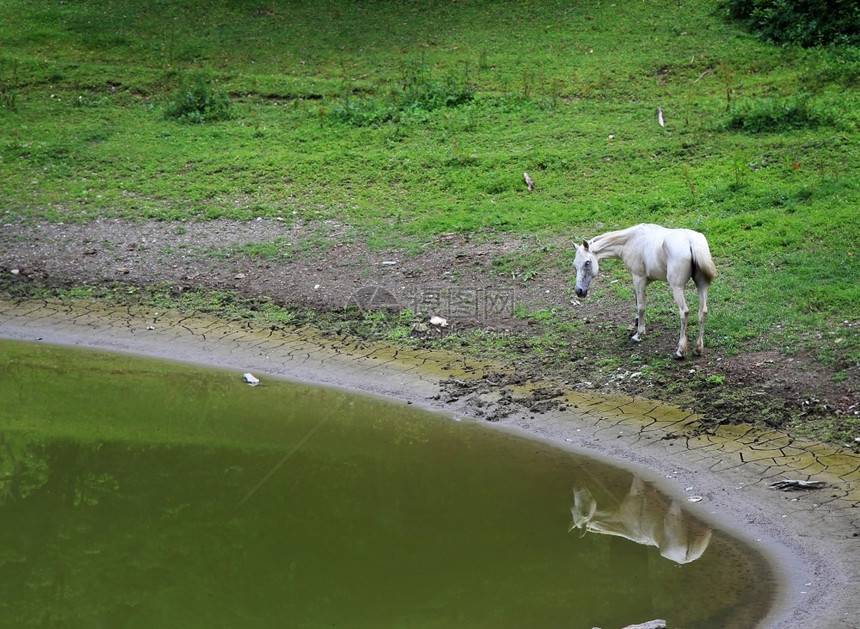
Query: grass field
pixel 409 119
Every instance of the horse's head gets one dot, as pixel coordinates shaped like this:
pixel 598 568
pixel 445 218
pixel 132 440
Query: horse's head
pixel 586 267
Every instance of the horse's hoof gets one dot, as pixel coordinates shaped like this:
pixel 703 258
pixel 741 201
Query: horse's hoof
pixel 678 356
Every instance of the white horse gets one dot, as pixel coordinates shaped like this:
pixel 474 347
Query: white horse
pixel 651 253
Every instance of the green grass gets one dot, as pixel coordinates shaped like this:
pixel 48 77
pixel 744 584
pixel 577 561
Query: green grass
pixel 424 123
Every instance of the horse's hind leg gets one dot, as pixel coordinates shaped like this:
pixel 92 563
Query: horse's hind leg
pixel 684 311
pixel 702 287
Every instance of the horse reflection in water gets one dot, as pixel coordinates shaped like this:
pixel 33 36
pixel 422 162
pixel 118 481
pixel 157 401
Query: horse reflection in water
pixel 645 517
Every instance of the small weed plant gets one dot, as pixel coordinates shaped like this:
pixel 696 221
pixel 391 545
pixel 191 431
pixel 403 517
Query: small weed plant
pixel 197 100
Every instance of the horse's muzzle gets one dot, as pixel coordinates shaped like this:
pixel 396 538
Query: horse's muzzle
pixel 580 292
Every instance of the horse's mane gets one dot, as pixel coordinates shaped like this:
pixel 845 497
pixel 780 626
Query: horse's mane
pixel 610 242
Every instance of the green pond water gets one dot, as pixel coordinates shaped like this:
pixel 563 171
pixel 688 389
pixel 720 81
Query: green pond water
pixel 141 493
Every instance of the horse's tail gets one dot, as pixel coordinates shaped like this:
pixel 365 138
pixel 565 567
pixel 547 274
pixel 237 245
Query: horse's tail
pixel 702 260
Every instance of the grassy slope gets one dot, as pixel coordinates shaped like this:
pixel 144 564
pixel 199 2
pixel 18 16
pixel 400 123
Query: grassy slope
pixel 759 150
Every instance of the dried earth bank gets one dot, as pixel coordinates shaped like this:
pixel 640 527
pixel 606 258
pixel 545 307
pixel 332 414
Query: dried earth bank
pixel 486 282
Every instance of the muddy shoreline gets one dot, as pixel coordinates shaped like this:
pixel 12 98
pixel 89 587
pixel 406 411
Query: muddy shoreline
pixel 502 295
pixel 812 536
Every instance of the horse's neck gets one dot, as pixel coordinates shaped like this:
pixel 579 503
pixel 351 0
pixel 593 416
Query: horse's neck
pixel 610 244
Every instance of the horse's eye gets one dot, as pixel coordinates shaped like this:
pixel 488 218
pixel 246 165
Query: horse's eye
pixel 588 264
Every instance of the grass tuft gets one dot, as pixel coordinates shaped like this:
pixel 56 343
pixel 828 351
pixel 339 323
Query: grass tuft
pixel 197 100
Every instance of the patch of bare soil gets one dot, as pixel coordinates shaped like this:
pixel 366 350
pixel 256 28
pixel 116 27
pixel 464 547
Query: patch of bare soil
pixel 330 278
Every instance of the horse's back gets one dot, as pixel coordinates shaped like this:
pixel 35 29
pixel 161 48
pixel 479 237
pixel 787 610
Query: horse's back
pixel 681 248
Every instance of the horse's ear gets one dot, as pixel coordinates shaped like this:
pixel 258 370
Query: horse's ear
pixel 585 245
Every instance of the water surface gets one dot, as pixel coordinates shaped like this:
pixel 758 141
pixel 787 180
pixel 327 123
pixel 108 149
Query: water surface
pixel 142 493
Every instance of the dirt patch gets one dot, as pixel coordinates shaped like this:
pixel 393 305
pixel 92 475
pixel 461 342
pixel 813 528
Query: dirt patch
pixel 492 300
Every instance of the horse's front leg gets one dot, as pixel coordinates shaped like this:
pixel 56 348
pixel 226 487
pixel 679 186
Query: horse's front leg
pixel 684 311
pixel 639 284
